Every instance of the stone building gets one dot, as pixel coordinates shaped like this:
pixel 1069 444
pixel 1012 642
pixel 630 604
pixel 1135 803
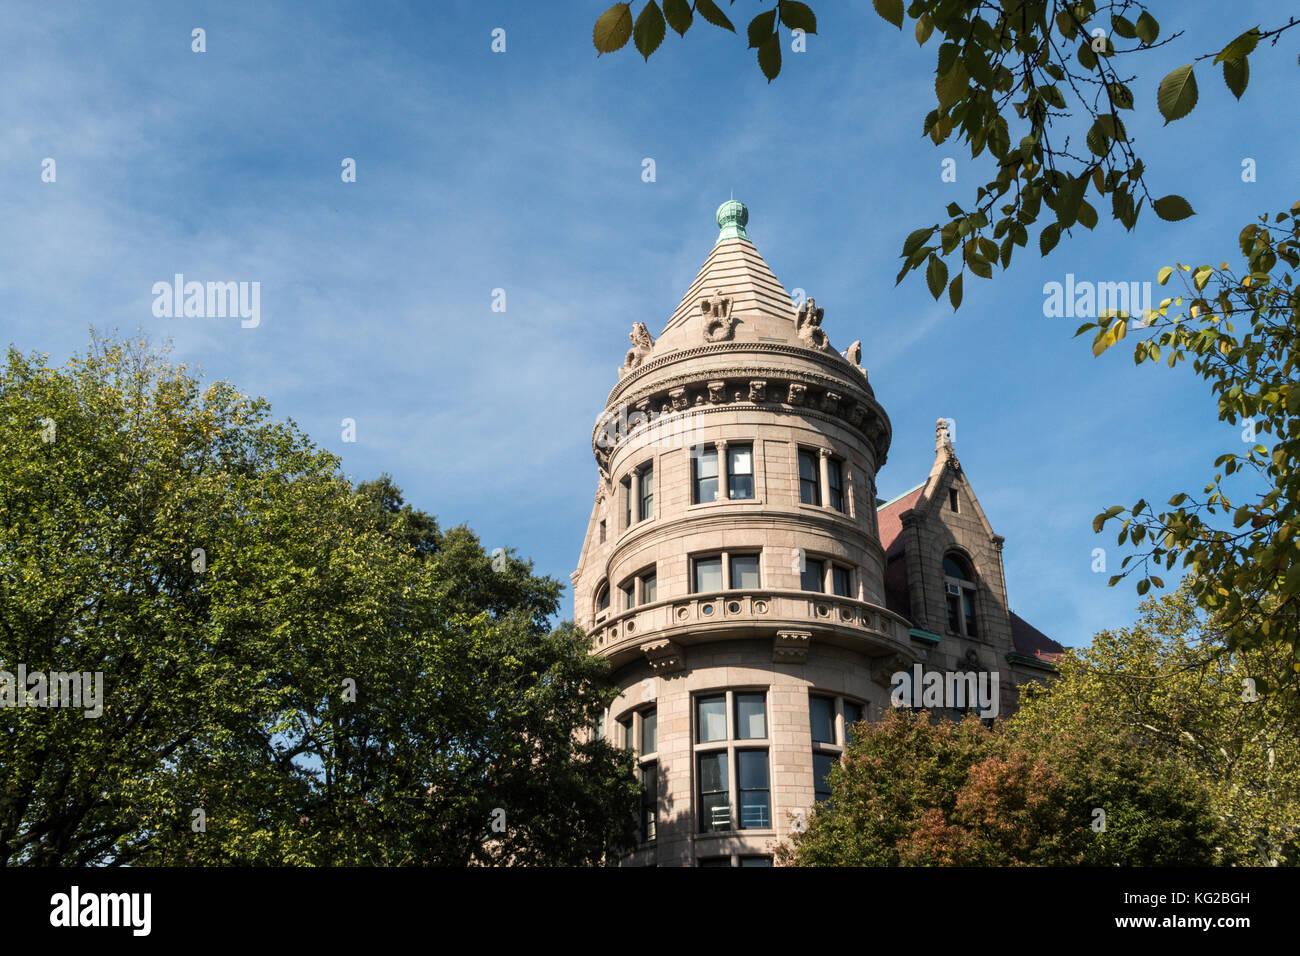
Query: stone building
pixel 753 595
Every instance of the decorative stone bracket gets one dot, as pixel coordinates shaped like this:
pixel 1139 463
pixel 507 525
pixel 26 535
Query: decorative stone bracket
pixel 791 647
pixel 665 656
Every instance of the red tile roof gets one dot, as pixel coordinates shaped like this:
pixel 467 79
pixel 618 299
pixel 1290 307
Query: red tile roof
pixel 891 522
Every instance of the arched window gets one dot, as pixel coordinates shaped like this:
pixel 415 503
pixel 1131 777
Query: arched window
pixel 602 598
pixel 959 595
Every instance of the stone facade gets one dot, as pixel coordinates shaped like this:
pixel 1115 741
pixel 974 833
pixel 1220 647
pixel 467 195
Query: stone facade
pixel 751 592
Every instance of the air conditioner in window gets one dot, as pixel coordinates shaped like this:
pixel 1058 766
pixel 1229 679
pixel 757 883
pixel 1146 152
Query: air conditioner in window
pixel 953 589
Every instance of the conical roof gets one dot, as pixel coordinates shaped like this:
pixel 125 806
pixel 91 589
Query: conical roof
pixel 734 282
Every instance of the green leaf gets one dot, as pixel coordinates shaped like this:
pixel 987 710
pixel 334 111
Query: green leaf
pixel 1124 27
pixel 936 276
pixel 761 28
pixel 1163 275
pixel 613 28
pixel 916 240
pixel 980 266
pixel 769 57
pixel 891 10
pixel 1239 47
pixel 650 29
pixel 1147 28
pixel 952 86
pixel 1049 237
pixel 924 27
pixel 710 12
pixel 1172 208
pixel 679 16
pixel 1177 93
pixel 1236 73
pixel 954 292
pixel 798 16
pixel 1087 215
pixel 1144 586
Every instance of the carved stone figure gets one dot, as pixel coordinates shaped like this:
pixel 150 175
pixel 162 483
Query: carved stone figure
pixel 642 343
pixel 796 394
pixel 807 326
pixel 719 325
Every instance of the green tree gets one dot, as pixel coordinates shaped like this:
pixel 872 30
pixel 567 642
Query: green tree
pixel 916 792
pixel 295 671
pixel 1232 719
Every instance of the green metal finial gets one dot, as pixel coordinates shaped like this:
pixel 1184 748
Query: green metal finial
pixel 732 218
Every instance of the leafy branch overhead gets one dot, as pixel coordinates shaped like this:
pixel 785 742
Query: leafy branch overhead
pixel 1040 85
pixel 1245 552
pixel 615 27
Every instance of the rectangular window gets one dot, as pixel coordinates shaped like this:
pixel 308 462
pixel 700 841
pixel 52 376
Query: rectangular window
pixel 715 810
pixel 821 714
pixel 629 595
pixel 813 576
pixel 751 716
pixel 740 472
pixel 649 800
pixel 841 581
pixel 755 861
pixel 648 493
pixel 822 764
pixel 708 575
pixel 852 715
pixel 751 779
pixel 744 571
pixel 602 531
pixel 706 474
pixel 954 613
pixel 600 726
pixel 649 588
pixel 952 498
pixel 711 719
pixel 810 485
pixel 835 483
pixel 650 731
pixel 627 503
pixel 968 608
pixel 626 731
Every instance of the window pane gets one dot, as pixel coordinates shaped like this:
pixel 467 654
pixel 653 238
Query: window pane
pixel 809 479
pixel 751 716
pixel 711 719
pixel 835 484
pixel 822 764
pixel 954 614
pixel 708 574
pixel 602 603
pixel 716 861
pixel 744 571
pixel 647 494
pixel 755 861
pixel 627 503
pixel 852 714
pixel 649 800
pixel 954 567
pixel 626 726
pixel 740 472
pixel 813 576
pixel 751 771
pixel 821 713
pixel 715 811
pixel 629 597
pixel 649 732
pixel 706 475
pixel 968 606
pixel 840 581
pixel 649 589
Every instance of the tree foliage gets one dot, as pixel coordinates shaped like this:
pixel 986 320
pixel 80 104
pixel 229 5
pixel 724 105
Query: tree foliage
pixel 1241 332
pixel 315 673
pixel 1232 719
pixel 916 792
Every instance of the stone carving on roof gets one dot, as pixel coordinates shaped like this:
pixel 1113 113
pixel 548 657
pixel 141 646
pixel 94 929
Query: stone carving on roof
pixel 807 325
pixel 719 324
pixel 642 343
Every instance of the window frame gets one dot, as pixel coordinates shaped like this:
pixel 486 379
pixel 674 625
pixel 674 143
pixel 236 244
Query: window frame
pixel 727 752
pixel 815 483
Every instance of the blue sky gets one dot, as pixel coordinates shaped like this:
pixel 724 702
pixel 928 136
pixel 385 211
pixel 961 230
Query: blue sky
pixel 522 171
